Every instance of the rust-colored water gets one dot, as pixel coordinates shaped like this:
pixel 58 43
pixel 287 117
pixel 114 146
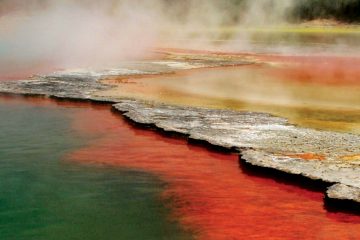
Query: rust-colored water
pixel 210 194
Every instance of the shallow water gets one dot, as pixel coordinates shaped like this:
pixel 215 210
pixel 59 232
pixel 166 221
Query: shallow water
pixel 45 196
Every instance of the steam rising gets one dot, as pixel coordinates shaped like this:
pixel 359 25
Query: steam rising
pixel 48 34
pixel 69 34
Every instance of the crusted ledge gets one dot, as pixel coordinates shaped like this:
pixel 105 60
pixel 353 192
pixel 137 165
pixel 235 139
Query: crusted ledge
pixel 264 140
pixel 343 192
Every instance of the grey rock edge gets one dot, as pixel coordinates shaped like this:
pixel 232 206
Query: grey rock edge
pixel 263 140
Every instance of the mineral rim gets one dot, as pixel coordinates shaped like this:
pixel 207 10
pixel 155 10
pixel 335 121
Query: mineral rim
pixel 262 140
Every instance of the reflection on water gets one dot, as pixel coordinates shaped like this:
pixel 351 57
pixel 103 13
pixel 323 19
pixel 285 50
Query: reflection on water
pixel 44 197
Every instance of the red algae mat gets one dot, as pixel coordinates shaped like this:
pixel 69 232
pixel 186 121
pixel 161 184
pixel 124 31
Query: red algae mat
pixel 209 193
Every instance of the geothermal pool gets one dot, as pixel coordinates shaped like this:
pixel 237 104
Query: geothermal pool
pixel 43 195
pixel 79 171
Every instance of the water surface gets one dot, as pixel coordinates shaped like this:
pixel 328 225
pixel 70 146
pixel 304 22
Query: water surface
pixel 79 171
pixel 45 196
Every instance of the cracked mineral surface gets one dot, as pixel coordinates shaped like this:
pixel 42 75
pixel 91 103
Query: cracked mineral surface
pixel 263 139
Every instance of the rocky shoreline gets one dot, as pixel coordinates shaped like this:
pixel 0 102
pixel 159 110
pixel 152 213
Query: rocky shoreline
pixel 261 140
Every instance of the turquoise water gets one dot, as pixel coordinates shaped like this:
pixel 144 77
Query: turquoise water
pixel 42 196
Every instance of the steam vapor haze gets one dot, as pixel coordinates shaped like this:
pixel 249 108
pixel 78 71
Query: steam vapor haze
pixel 72 34
pixel 50 34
